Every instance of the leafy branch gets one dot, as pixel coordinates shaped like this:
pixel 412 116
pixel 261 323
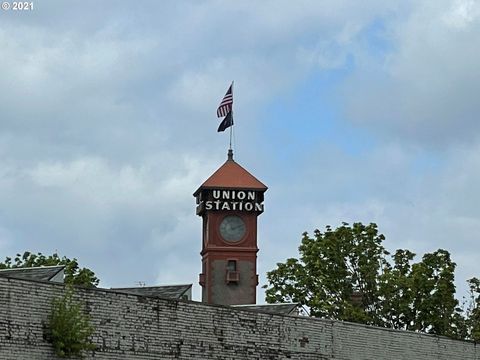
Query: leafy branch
pixel 69 328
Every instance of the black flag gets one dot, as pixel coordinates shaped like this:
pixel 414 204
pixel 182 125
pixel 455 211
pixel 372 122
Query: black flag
pixel 226 123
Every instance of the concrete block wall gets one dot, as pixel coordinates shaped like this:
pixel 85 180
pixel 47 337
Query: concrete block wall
pixel 135 327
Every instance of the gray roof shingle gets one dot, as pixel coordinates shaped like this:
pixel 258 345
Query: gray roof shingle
pixel 43 273
pixel 285 309
pixel 169 291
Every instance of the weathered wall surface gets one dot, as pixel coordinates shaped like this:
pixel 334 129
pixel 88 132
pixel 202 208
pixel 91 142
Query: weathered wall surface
pixel 241 293
pixel 135 327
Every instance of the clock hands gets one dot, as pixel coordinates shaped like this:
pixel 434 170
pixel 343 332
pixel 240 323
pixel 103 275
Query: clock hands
pixel 232 228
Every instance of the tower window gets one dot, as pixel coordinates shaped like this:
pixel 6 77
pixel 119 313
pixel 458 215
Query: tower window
pixel 232 275
pixel 232 265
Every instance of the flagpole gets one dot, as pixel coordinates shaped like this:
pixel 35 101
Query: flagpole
pixel 231 127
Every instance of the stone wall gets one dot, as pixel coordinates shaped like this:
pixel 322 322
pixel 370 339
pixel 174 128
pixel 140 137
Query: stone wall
pixel 240 293
pixel 136 327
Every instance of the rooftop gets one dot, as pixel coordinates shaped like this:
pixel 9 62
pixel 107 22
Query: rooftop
pixel 43 273
pixel 169 291
pixel 283 308
pixel 232 175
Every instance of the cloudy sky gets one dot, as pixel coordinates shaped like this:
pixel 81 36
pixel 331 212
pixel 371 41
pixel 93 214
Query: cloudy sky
pixel 349 111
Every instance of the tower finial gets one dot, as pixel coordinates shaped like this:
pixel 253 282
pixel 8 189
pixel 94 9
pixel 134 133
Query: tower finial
pixel 230 154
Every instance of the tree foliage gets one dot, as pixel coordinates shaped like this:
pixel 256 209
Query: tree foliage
pixel 69 328
pixel 347 274
pixel 472 310
pixel 74 275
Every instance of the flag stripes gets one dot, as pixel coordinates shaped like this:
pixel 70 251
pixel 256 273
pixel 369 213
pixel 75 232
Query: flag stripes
pixel 226 104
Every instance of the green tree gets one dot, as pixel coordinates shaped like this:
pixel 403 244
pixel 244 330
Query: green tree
pixel 421 296
pixel 74 275
pixel 395 285
pixel 333 267
pixel 347 274
pixel 69 328
pixel 472 321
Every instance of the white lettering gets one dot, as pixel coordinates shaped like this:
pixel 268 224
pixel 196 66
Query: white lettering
pixel 225 206
pixel 224 200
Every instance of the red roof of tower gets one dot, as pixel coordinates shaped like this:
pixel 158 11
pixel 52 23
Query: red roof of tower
pixel 232 175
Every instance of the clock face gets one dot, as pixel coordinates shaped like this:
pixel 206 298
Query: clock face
pixel 232 228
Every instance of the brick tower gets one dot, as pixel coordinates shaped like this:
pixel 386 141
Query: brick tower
pixel 229 203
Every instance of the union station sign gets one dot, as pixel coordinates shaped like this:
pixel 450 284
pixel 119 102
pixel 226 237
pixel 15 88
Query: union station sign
pixel 229 200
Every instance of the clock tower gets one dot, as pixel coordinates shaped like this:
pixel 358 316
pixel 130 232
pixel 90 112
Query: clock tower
pixel 229 203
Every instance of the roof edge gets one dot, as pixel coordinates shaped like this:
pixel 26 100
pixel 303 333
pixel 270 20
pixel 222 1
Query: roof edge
pixel 33 267
pixel 265 188
pixel 240 305
pixel 149 287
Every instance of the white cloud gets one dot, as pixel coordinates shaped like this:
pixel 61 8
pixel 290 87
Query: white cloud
pixel 419 208
pixel 424 90
pixel 462 13
pixel 108 125
pixel 89 206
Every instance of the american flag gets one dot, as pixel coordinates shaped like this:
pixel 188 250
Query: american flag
pixel 226 105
